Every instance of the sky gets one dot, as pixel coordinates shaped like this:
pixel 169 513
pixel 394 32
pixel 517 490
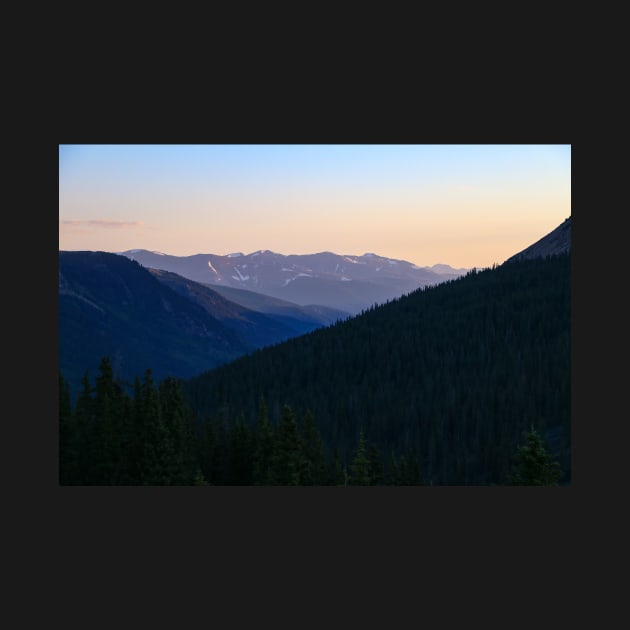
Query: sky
pixel 461 205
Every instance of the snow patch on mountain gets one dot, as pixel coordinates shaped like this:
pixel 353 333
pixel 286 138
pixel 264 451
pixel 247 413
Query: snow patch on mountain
pixel 240 275
pixel 286 282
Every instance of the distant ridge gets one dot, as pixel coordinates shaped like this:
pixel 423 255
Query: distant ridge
pixel 558 241
pixel 346 283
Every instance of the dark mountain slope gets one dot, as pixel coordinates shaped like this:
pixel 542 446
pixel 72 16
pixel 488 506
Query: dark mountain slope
pixel 112 306
pixel 257 328
pixel 557 241
pixel 301 319
pixel 454 373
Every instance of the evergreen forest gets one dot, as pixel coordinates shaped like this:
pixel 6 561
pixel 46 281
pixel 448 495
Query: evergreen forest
pixel 462 383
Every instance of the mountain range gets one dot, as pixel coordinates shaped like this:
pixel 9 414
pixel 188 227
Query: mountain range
pixel 448 375
pixel 146 309
pixel 342 282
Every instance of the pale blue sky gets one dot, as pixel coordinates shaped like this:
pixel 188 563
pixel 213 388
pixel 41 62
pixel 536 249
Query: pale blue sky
pixel 464 205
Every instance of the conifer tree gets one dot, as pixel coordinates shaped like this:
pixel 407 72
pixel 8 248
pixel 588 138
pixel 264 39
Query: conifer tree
pixel 157 453
pixel 96 440
pixel 337 475
pixel 313 453
pixel 178 422
pixel 205 450
pixel 264 453
pixel 412 475
pixel 221 449
pixel 138 424
pixel 375 465
pixel 533 465
pixel 241 454
pixel 360 467
pixel 288 464
pixel 83 418
pixel 125 469
pixel 68 463
pixel 395 476
pixel 199 479
pixel 106 446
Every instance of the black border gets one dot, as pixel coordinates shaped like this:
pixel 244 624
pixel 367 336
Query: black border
pixel 242 538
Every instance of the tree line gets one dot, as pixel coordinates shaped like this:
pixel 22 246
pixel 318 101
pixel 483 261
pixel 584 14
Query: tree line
pixel 151 437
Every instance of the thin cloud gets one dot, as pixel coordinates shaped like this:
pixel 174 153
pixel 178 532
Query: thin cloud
pixel 102 224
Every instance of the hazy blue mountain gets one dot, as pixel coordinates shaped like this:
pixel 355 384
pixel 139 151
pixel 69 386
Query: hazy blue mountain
pixel 253 324
pixel 446 271
pixel 300 318
pixel 343 282
pixel 112 306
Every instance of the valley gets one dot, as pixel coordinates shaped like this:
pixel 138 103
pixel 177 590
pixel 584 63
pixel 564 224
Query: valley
pixel 438 385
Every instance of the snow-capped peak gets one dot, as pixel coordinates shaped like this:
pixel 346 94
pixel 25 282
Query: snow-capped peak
pixel 261 251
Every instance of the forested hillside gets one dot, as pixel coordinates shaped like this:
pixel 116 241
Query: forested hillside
pixel 449 376
pixel 463 383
